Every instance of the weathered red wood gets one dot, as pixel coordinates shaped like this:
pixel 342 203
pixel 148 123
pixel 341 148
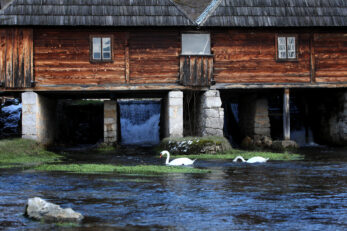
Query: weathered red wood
pixel 16 59
pixel 60 56
pixel 154 56
pixel 2 56
pixel 330 51
pixel 196 70
pixel 242 56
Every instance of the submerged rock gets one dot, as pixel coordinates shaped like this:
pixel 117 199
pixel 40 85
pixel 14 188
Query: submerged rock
pixel 40 209
pixel 284 145
pixel 258 142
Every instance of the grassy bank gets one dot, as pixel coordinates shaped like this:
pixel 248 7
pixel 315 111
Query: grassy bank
pixel 24 152
pixel 245 154
pixel 107 168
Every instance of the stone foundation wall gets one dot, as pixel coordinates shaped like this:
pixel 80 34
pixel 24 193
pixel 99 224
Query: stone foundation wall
pixel 338 122
pixel 38 118
pixel 211 114
pixel 254 116
pixel 110 122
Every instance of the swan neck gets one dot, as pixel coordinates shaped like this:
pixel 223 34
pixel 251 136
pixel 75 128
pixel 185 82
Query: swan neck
pixel 167 157
pixel 239 158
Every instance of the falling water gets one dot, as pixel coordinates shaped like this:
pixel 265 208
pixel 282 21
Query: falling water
pixel 9 118
pixel 303 137
pixel 139 121
pixel 235 110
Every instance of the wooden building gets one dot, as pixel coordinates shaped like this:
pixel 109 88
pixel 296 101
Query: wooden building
pixel 112 48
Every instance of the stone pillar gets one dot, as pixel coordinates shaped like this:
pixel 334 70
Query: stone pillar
pixel 110 122
pixel 174 114
pixel 338 122
pixel 38 118
pixel 254 116
pixel 211 114
pixel 261 118
pixel 286 114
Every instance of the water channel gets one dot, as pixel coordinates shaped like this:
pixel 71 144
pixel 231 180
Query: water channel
pixel 299 195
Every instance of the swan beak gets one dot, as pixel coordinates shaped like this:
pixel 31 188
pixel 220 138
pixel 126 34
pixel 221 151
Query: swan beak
pixel 161 155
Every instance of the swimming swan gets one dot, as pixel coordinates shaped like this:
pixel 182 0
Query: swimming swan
pixel 256 159
pixel 176 162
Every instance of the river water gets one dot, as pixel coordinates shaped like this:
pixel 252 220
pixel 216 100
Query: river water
pixel 299 195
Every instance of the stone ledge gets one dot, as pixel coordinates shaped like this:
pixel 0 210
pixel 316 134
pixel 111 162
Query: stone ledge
pixel 212 93
pixel 175 94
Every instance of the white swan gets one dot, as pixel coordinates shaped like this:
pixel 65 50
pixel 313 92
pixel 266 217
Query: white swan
pixel 176 162
pixel 256 159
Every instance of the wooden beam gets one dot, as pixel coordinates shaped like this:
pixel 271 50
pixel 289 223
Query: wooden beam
pixel 286 114
pixel 226 86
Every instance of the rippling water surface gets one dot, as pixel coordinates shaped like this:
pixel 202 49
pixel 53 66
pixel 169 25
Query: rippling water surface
pixel 299 195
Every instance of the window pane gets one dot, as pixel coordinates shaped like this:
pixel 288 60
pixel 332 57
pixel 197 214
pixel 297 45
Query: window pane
pixel 106 55
pixel 106 48
pixel 96 48
pixel 281 46
pixel 291 47
pixel 196 44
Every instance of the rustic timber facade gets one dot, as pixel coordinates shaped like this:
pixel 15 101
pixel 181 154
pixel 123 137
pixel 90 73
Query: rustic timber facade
pixel 45 48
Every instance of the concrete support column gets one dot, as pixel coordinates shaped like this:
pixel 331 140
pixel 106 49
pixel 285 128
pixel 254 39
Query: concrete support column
pixel 211 114
pixel 38 118
pixel 110 122
pixel 174 114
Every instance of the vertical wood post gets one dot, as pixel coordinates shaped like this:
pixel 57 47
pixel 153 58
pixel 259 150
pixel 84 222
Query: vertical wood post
pixel 312 59
pixel 286 115
pixel 127 59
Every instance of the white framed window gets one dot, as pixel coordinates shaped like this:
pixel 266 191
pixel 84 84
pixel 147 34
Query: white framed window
pixel 196 44
pixel 286 47
pixel 101 48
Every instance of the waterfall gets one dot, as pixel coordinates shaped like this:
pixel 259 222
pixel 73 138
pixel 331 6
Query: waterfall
pixel 9 118
pixel 299 136
pixel 139 120
pixel 235 110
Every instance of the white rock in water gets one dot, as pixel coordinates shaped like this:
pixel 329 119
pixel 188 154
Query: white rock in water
pixel 40 209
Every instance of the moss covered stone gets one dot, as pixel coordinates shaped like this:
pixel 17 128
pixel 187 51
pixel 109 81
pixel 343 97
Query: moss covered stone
pixel 195 145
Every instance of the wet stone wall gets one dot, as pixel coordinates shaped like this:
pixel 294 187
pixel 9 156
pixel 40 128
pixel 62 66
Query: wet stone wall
pixel 211 114
pixel 329 118
pixel 338 122
pixel 254 116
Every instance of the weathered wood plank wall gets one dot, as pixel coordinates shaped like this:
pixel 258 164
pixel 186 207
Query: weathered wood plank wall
pixel 16 57
pixel 62 57
pixel 330 57
pixel 250 57
pixel 152 56
pixel 196 70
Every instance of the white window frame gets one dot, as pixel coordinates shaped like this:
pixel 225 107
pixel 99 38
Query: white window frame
pixel 101 48
pixel 283 49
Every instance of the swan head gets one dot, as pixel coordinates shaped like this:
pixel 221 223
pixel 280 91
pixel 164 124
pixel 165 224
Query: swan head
pixel 162 153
